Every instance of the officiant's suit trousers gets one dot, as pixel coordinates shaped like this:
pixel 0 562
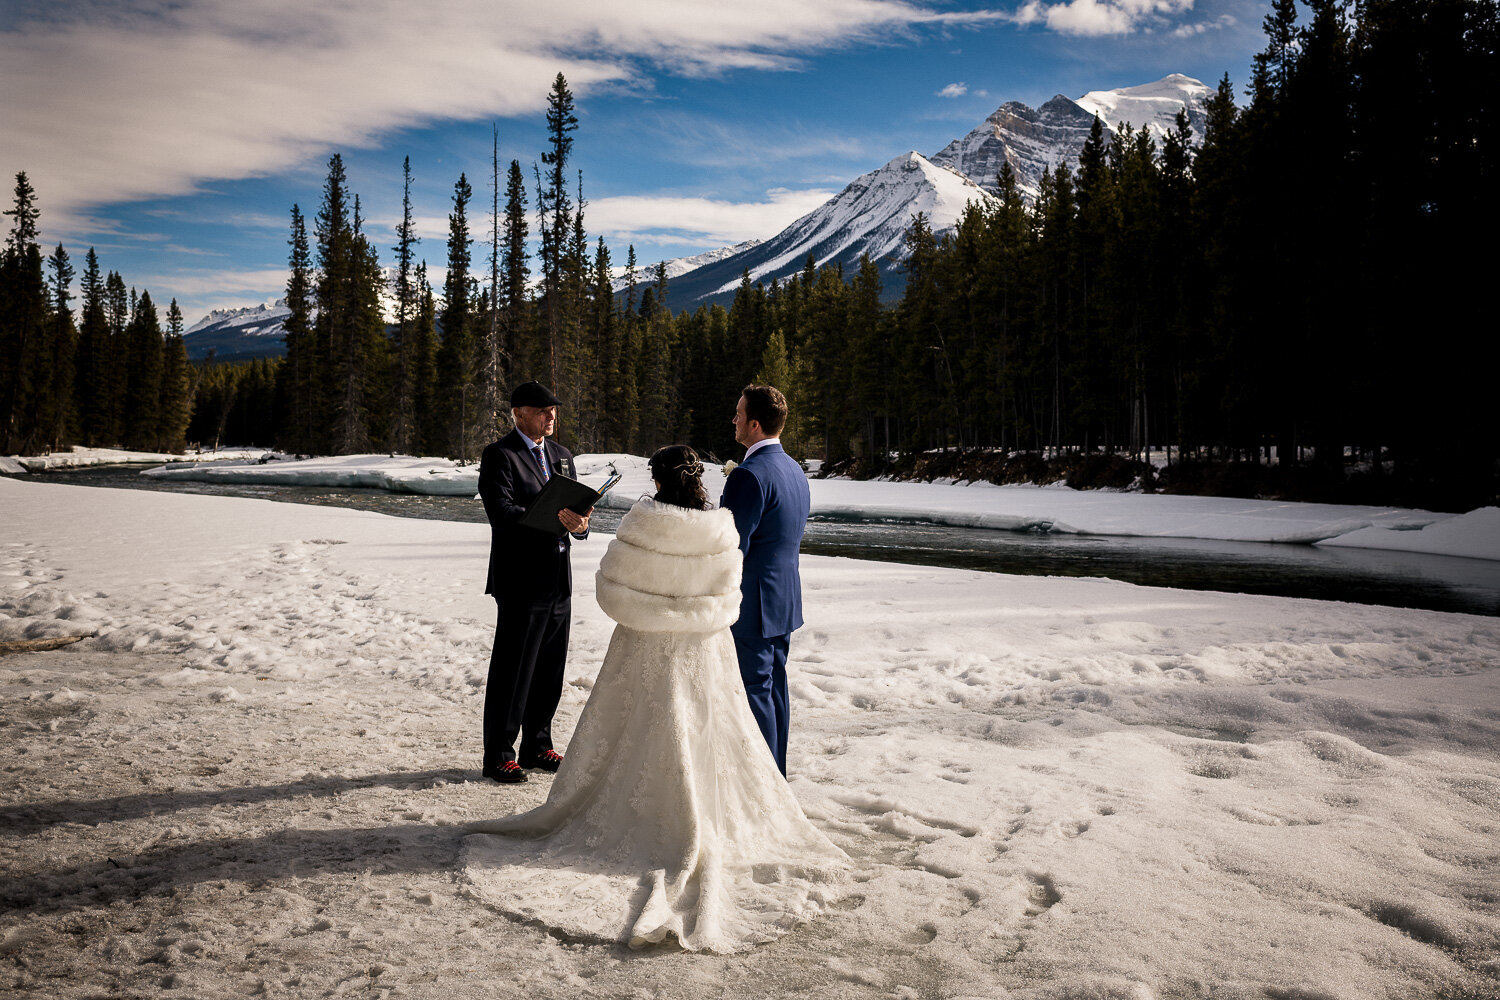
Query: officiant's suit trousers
pixel 526 675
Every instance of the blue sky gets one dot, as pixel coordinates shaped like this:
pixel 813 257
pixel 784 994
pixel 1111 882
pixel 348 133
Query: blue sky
pixel 174 135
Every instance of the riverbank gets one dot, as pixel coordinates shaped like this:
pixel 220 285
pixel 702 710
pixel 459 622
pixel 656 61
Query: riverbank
pixel 1056 509
pixel 1353 481
pixel 254 775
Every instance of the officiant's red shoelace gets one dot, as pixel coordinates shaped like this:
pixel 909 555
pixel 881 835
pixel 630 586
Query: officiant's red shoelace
pixel 507 771
pixel 547 760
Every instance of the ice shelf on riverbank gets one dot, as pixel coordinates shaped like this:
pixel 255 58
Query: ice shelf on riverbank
pixel 79 457
pixel 255 775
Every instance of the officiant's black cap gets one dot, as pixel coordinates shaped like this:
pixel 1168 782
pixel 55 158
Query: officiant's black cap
pixel 533 394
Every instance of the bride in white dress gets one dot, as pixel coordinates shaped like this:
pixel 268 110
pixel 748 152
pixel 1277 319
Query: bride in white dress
pixel 668 819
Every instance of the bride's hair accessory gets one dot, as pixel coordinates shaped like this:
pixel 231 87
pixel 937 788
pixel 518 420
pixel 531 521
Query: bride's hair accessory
pixel 679 477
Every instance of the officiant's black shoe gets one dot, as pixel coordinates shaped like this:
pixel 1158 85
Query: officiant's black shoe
pixel 507 773
pixel 547 760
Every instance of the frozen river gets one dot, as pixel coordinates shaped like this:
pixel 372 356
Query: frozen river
pixel 1362 576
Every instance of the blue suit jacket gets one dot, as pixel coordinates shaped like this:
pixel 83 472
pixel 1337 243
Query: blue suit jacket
pixel 770 500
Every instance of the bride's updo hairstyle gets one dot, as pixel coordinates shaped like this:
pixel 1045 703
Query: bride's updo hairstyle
pixel 679 477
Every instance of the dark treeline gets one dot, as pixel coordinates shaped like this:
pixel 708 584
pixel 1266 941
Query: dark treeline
pixel 1306 279
pixel 112 377
pixel 1300 281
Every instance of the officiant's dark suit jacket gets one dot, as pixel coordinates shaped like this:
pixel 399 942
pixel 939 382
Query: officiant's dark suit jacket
pixel 532 582
pixel 524 562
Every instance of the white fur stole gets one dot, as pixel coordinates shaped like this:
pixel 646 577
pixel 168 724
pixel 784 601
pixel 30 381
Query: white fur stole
pixel 671 569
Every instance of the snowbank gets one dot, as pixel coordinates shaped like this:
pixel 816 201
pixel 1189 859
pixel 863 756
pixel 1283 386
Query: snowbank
pixel 1010 508
pixel 1475 535
pixel 79 457
pixel 255 776
pixel 396 473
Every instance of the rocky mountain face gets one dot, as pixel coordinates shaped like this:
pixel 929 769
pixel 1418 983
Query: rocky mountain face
pixel 1032 141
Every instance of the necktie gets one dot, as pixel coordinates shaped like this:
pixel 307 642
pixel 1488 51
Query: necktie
pixel 541 461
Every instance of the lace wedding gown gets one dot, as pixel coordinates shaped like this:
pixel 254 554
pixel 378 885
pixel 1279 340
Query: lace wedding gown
pixel 668 818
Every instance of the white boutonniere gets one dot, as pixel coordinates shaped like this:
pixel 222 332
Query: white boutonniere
pixel 729 467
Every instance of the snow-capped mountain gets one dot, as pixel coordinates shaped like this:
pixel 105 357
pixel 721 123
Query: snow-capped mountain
pixel 1152 105
pixel 239 334
pixel 679 266
pixel 1036 140
pixel 869 216
pixel 250 319
pixel 258 331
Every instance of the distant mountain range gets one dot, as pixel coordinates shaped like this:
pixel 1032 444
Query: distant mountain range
pixel 239 334
pixel 868 216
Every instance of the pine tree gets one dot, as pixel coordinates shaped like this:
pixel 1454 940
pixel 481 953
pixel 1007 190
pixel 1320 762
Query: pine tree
pixel 429 432
pixel 24 318
pixel 92 379
pixel 175 408
pixel 348 331
pixel 869 364
pixel 554 211
pixel 577 386
pixel 59 414
pixel 336 411
pixel 457 403
pixel 300 384
pixel 143 376
pixel 920 355
pixel 403 417
pixel 117 310
pixel 490 368
pixel 516 273
pixel 372 348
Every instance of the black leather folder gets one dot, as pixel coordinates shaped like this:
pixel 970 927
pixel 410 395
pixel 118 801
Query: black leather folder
pixel 560 492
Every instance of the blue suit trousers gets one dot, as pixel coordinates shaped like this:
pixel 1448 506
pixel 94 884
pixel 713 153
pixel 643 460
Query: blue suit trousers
pixel 763 669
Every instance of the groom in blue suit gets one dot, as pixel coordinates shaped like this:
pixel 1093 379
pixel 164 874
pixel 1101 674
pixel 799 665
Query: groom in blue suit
pixel 770 500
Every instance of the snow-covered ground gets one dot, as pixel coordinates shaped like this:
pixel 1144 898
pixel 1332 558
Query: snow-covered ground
pixel 254 777
pixel 1056 508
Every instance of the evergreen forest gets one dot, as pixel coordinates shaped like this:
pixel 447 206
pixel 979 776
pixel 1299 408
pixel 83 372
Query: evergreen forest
pixel 1305 280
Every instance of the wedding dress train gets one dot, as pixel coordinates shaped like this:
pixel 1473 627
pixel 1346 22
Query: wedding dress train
pixel 668 818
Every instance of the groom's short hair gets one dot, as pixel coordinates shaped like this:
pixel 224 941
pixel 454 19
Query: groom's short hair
pixel 766 406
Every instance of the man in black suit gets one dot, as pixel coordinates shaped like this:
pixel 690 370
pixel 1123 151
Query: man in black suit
pixel 532 582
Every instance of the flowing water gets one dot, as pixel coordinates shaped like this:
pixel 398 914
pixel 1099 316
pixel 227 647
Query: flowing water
pixel 1361 576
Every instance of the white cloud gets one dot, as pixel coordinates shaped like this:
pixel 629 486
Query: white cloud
pixel 1190 30
pixel 954 90
pixel 108 102
pixel 648 220
pixel 267 283
pixel 198 291
pixel 1100 17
